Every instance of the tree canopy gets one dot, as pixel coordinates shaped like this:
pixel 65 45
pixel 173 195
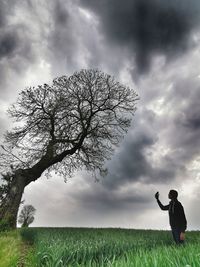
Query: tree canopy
pixel 26 216
pixel 74 122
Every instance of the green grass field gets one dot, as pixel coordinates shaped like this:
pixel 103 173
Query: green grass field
pixel 9 248
pixel 67 247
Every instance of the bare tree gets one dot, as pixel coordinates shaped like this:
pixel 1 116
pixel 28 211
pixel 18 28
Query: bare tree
pixel 26 216
pixel 76 122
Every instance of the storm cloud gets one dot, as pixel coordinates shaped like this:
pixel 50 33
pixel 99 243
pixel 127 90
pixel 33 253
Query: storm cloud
pixel 131 164
pixel 21 45
pixel 147 27
pixel 151 46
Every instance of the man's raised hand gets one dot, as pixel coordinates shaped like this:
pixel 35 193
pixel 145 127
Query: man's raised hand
pixel 157 195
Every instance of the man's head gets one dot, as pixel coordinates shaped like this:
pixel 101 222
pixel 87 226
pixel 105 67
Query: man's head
pixel 173 194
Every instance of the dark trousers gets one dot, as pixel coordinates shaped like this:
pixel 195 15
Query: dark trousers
pixel 176 235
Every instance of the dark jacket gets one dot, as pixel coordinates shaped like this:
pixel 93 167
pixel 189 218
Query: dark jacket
pixel 176 214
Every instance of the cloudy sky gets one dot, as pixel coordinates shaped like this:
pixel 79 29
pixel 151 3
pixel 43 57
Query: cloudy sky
pixel 151 46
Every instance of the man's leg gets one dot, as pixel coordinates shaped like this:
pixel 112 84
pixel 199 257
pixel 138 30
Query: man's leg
pixel 176 235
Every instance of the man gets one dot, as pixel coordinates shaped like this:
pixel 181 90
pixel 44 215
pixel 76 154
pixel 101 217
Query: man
pixel 177 218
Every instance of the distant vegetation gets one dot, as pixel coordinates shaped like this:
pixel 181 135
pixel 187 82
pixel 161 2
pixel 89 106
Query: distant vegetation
pixel 61 247
pixel 26 216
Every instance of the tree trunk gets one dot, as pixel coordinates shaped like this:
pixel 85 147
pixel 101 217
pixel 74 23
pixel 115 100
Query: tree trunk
pixel 10 205
pixel 21 178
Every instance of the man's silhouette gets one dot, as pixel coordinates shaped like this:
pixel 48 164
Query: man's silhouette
pixel 177 218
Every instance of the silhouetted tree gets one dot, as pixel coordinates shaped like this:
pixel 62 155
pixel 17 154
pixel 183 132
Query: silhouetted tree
pixel 26 216
pixel 76 122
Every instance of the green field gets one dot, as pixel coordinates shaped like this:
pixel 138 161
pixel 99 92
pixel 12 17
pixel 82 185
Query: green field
pixel 67 247
pixel 10 244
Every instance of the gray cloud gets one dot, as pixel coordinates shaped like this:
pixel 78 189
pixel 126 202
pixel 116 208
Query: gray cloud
pixel 21 43
pixel 73 41
pixel 8 37
pixel 133 161
pixel 130 163
pixel 182 135
pixel 4 10
pixel 60 14
pixel 164 137
pixel 147 27
pixel 8 44
pixel 104 201
pixel 61 39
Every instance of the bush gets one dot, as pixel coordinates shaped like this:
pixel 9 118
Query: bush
pixel 4 225
pixel 28 235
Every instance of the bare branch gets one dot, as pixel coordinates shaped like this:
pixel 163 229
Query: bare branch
pixel 75 122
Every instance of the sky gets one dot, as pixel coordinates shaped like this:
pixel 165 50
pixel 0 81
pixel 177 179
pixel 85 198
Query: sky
pixel 151 46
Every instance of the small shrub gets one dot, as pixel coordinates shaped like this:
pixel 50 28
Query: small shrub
pixel 4 225
pixel 28 235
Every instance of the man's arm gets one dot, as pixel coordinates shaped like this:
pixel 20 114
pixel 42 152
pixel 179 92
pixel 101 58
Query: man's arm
pixel 166 207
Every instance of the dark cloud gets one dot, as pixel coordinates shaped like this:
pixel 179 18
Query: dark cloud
pixel 62 40
pixel 60 14
pixel 2 16
pixel 8 44
pixel 4 11
pixel 182 135
pixel 147 27
pixel 106 200
pixel 19 46
pixel 8 37
pixel 130 163
pixel 164 137
pixel 75 41
pixel 190 119
pixel 134 160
